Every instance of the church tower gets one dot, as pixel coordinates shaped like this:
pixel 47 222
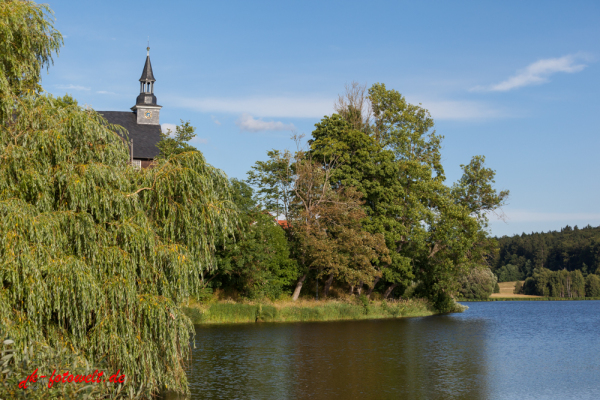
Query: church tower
pixel 146 109
pixel 142 125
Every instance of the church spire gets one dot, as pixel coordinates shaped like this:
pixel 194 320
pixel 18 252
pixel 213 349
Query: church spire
pixel 145 105
pixel 147 75
pixel 147 83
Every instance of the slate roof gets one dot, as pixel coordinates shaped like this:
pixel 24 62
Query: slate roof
pixel 145 137
pixel 147 75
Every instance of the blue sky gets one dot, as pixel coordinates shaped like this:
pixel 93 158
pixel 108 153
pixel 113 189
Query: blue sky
pixel 515 81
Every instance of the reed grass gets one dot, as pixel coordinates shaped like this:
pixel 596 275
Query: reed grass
pixel 303 311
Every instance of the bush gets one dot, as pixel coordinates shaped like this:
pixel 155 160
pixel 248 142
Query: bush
pixel 478 285
pixel 518 288
pixel 496 288
pixel 529 287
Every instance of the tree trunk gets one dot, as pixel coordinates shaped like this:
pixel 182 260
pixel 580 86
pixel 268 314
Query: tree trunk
pixel 298 287
pixel 372 287
pixel 351 290
pixel 359 288
pixel 328 285
pixel 389 290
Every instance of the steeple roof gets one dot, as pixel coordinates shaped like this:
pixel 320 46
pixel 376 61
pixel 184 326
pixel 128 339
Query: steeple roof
pixel 147 75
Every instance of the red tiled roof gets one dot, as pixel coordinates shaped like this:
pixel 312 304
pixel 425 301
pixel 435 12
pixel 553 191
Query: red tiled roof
pixel 283 223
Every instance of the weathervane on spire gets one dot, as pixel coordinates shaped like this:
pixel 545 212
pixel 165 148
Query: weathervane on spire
pixel 148 48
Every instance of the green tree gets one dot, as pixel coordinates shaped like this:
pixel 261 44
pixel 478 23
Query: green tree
pixel 592 285
pixel 562 283
pixel 577 284
pixel 95 256
pixel 518 288
pixel 362 163
pixel 174 143
pixel 555 250
pixel 395 162
pixel 479 284
pixel 509 273
pixel 28 44
pixel 256 259
pixel 273 178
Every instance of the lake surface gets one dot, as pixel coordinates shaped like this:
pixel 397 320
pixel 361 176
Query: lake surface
pixel 494 350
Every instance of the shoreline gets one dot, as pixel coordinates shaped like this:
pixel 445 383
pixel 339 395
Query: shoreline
pixel 228 312
pixel 533 298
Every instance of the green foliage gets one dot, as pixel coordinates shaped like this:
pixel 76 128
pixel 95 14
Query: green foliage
pixel 518 288
pixel 28 43
pixel 592 286
pixel 433 233
pixel 255 259
pixel 478 284
pixel 324 222
pixel 364 300
pixel 91 250
pixel 475 189
pixel 444 226
pixel 61 360
pixel 273 178
pixel 95 256
pixel 548 283
pixel 496 288
pixel 570 248
pixel 362 163
pixel 174 143
pixel 509 273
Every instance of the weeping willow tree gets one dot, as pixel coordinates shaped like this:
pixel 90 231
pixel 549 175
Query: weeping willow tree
pixel 95 256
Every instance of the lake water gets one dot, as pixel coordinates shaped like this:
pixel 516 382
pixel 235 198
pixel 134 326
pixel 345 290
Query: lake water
pixel 494 350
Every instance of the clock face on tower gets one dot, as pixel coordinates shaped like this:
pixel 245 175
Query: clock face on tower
pixel 148 114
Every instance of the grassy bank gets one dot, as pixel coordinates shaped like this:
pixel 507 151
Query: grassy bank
pixel 533 298
pixel 303 310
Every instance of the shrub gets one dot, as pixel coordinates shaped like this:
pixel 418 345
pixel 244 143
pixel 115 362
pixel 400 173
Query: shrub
pixel 478 285
pixel 518 288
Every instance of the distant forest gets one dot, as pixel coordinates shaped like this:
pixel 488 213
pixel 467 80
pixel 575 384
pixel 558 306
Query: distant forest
pixel 572 249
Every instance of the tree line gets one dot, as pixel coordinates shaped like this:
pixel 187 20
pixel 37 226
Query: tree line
pixel 563 283
pixel 570 248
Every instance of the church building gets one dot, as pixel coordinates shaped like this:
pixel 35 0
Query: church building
pixel 142 122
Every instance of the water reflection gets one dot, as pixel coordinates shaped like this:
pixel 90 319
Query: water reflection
pixel 494 350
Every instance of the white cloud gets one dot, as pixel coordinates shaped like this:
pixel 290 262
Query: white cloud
pixel 72 87
pixel 518 215
pixel 167 126
pixel 536 73
pixel 317 107
pixel 105 92
pixel 247 123
pixel 275 107
pixel 460 110
pixel 215 120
